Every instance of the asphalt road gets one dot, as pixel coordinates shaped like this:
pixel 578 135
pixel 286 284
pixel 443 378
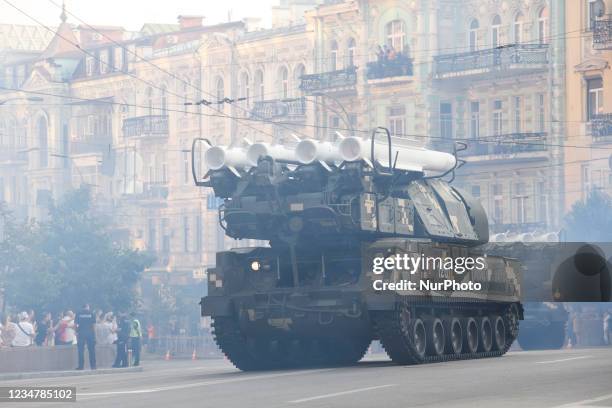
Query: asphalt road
pixel 565 378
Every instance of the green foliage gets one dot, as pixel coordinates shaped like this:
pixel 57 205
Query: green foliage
pixel 590 220
pixel 68 260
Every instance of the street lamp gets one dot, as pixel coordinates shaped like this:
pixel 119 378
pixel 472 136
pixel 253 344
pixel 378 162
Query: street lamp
pixel 29 99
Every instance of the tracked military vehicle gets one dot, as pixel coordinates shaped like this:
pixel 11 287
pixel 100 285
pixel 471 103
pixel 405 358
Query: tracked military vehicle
pixel 327 211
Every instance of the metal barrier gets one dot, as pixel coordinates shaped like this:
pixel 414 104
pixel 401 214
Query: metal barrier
pixel 184 347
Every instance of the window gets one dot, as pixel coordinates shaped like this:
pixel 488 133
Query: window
pixel 164 101
pixel 220 89
pixel 542 205
pixel 333 56
pixel 149 95
pixel 104 61
pixel 259 84
pixel 90 66
pixel 520 199
pixel 186 234
pixel 495 32
pixel 299 71
pixel 397 120
pixel 543 26
pixel 396 35
pixel 518 114
pixel 446 120
pixel 541 126
pixel 585 180
pixel 594 97
pixel 591 14
pixel 498 203
pixel 497 118
pixel 473 35
pixel 43 143
pixel 284 82
pixel 118 59
pixel 518 28
pixel 350 53
pixel 475 119
pixel 476 191
pixel 198 234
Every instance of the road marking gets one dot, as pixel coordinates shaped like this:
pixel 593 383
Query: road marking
pixel 562 360
pixel 201 384
pixel 338 394
pixel 584 403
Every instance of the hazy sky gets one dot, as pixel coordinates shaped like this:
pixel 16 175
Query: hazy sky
pixel 131 14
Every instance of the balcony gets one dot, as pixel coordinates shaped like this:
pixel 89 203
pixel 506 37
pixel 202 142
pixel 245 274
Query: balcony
pixel 601 127
pixel 146 126
pixel 515 58
pixel 399 69
pixel 92 144
pixel 602 34
pixel 283 109
pixel 340 80
pixel 507 145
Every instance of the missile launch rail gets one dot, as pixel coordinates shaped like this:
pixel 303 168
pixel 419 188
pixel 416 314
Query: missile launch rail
pixel 307 299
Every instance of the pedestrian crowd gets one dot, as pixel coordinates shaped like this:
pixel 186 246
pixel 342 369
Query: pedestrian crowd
pixel 390 62
pixel 83 329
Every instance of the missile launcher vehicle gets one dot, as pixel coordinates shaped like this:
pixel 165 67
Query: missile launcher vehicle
pixel 311 297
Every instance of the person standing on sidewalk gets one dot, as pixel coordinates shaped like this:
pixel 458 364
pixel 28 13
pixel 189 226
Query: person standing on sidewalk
pixel 86 335
pixel 123 335
pixel 135 338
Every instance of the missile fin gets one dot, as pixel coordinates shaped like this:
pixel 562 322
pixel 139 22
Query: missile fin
pixel 325 165
pixel 233 170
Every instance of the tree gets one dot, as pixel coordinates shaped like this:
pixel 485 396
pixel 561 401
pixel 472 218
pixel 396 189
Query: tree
pixel 590 220
pixel 69 260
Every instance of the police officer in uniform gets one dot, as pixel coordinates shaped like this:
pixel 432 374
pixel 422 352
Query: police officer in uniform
pixel 84 324
pixel 123 335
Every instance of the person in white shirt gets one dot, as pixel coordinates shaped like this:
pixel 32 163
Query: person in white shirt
pixel 24 332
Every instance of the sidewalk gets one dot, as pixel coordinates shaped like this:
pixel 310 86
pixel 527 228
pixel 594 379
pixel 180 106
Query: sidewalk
pixel 70 373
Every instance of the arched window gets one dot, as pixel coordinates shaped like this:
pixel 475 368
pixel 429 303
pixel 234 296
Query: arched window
pixel 43 142
pixel 395 33
pixel 299 71
pixel 519 20
pixel 496 32
pixel 473 36
pixel 259 84
pixel 543 26
pixel 350 53
pixel 283 75
pixel 333 56
pixel 220 89
pixel 163 101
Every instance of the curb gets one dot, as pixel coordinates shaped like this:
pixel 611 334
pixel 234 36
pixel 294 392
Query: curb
pixel 71 373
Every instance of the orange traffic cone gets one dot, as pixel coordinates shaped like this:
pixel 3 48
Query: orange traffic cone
pixel 167 356
pixel 193 355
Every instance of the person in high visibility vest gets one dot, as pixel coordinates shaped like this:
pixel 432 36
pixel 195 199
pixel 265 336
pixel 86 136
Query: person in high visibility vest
pixel 135 338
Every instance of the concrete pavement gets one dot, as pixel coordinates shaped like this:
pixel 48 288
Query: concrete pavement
pixel 561 378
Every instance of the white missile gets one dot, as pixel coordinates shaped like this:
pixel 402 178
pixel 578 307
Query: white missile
pixel 277 152
pixel 218 157
pixel 309 151
pixel 409 158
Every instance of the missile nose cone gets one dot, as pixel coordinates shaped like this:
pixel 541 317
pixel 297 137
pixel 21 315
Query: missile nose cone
pixel 215 157
pixel 350 149
pixel 306 151
pixel 256 151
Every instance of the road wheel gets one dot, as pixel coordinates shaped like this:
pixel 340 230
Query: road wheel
pixel 419 337
pixel 437 338
pixel 486 334
pixel 499 330
pixel 454 339
pixel 471 335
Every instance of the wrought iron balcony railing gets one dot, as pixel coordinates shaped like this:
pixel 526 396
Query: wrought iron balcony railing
pixel 602 34
pixel 151 125
pixel 343 78
pixel 601 127
pixel 507 58
pixel 512 143
pixel 279 109
pixel 401 66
